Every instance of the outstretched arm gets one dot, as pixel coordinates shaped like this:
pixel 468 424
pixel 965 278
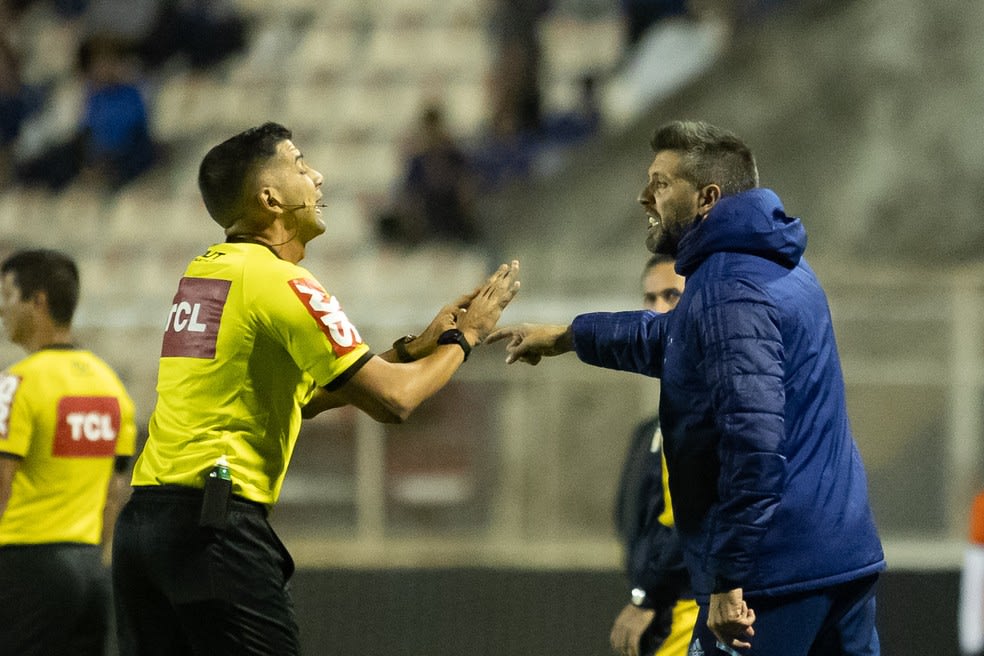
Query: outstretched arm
pixel 529 342
pixel 623 341
pixel 389 391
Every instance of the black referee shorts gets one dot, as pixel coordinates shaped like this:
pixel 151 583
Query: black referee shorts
pixel 181 588
pixel 54 600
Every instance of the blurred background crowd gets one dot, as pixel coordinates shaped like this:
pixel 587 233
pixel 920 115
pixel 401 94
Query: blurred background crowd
pixel 455 133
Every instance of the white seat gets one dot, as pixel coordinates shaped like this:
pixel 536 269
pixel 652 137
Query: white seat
pixel 350 167
pixel 377 110
pixel 323 53
pixel 563 40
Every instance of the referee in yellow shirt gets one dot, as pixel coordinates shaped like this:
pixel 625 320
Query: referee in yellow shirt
pixel 66 434
pixel 253 342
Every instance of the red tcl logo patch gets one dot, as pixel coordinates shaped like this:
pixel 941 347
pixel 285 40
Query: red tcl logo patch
pixel 87 427
pixel 328 313
pixel 193 323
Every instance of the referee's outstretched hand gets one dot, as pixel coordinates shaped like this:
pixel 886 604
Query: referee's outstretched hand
pixel 477 319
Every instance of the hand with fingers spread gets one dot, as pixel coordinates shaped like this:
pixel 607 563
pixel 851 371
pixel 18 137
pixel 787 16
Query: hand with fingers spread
pixel 529 342
pixel 730 619
pixel 478 317
pixel 491 297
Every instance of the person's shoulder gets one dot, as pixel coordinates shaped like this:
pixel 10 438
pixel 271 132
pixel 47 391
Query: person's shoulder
pixel 15 366
pixel 32 371
pixel 93 358
pixel 69 357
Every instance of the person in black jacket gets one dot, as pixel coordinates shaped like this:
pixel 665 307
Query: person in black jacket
pixel 660 616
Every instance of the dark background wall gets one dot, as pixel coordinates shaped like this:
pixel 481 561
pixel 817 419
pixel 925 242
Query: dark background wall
pixel 514 612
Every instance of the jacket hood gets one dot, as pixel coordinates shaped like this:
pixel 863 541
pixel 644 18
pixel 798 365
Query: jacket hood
pixel 752 222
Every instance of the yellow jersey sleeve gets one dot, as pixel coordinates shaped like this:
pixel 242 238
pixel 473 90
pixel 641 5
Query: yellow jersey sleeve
pixel 297 312
pixel 15 416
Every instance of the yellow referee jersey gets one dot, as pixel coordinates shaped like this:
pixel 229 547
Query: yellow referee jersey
pixel 248 338
pixel 67 415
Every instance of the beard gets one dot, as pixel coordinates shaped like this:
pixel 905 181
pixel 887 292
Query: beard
pixel 664 239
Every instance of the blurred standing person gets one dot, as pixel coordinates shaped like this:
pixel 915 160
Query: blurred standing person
pixel 66 433
pixel 640 15
pixel 253 343
pixel 18 100
pixel 436 200
pixel 770 496
pixel 660 617
pixel 515 83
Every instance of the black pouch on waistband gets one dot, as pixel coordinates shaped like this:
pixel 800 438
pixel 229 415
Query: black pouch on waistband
pixel 215 502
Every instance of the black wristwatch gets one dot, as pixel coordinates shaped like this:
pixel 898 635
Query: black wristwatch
pixel 455 336
pixel 400 346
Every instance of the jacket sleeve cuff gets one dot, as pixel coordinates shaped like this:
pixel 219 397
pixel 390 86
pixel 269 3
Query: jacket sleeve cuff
pixel 724 584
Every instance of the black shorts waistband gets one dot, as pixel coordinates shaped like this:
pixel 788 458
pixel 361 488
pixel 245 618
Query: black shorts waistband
pixel 193 493
pixel 49 545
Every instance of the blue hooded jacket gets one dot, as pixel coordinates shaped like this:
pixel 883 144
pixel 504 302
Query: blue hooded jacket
pixel 769 492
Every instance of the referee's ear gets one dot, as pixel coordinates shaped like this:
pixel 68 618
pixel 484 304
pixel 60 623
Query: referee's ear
pixel 267 199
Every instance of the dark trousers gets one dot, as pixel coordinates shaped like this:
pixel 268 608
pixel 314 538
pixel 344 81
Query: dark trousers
pixel 54 600
pixel 181 588
pixel 835 621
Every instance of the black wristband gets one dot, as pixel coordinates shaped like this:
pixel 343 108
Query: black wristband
pixel 400 346
pixel 455 336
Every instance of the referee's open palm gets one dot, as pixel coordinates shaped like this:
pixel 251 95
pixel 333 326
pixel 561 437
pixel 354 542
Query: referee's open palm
pixel 485 308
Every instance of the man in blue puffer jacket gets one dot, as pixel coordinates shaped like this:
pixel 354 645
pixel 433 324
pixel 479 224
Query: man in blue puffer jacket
pixel 769 492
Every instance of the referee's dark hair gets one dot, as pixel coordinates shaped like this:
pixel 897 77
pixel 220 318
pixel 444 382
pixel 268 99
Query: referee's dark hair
pixel 225 168
pixel 710 155
pixel 48 271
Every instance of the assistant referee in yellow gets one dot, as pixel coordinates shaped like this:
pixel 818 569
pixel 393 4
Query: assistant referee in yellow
pixel 253 342
pixel 66 436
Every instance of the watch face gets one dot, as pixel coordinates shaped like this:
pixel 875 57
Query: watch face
pixel 449 336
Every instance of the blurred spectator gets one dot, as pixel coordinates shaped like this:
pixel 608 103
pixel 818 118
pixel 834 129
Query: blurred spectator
pixel 130 22
pixel 503 152
pixel 205 32
pixel 200 32
pixel 506 152
pixel 641 14
pixel 435 202
pixel 582 121
pixel 112 144
pixel 17 101
pixel 515 83
pixel 68 9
